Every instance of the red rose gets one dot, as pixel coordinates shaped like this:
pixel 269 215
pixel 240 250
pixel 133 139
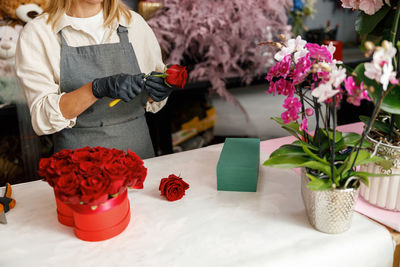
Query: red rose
pixel 47 170
pixel 173 187
pixel 177 75
pixel 94 190
pixel 63 154
pixel 116 172
pixel 136 171
pixel 67 188
pixel 101 156
pixel 80 155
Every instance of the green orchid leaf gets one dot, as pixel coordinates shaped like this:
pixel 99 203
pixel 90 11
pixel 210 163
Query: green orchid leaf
pixel 299 143
pixel 364 157
pixel 288 150
pixel 317 184
pixel 386 164
pixel 314 156
pixel 286 162
pixel 352 139
pixel 291 131
pixel 338 135
pixel 323 167
pixel 391 103
pixel 374 159
pixel 370 174
pixel 367 23
pixel 378 125
pixel 292 127
pixel 363 177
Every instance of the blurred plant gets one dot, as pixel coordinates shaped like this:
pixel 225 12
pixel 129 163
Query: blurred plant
pixel 217 39
pixel 300 10
pixel 378 25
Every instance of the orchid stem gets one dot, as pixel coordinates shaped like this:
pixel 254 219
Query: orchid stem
pixel 368 128
pixel 333 138
pixel 318 131
pixel 394 33
pixel 391 128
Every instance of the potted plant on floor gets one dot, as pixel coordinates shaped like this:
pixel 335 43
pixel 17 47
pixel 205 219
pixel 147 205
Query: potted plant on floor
pixel 378 23
pixel 314 84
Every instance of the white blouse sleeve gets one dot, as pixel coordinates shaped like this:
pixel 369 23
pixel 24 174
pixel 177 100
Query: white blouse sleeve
pixel 36 78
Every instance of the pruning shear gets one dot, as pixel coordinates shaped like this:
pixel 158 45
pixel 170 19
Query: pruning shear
pixel 6 203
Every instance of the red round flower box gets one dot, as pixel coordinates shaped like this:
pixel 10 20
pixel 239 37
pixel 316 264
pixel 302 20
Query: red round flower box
pixel 106 221
pixel 64 213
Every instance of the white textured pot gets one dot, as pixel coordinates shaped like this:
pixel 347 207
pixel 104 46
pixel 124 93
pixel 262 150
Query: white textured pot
pixel 328 211
pixel 383 192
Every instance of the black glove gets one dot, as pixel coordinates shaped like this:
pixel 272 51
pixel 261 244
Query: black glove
pixel 123 86
pixel 156 87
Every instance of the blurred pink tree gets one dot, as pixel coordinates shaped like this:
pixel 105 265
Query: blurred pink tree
pixel 219 39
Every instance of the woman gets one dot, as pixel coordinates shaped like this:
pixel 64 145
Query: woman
pixel 77 57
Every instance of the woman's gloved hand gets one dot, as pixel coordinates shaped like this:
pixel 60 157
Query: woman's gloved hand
pixel 157 88
pixel 123 86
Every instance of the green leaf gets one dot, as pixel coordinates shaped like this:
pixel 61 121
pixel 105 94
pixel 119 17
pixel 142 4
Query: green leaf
pixel 367 23
pixel 386 164
pixel 286 162
pixel 323 167
pixel 292 127
pixel 370 174
pixel 338 135
pixel 350 140
pixel 288 150
pixel 391 103
pixel 115 195
pixel 312 155
pixel 378 125
pixel 317 184
pixel 363 177
pixel 301 142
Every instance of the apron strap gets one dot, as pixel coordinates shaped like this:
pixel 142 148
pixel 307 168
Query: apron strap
pixel 63 42
pixel 123 34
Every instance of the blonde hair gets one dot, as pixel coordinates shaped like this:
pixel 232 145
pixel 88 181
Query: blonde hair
pixel 112 9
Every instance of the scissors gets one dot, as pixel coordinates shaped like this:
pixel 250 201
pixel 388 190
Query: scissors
pixel 6 203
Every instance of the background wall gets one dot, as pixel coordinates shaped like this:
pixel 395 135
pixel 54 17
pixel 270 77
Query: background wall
pixel 346 18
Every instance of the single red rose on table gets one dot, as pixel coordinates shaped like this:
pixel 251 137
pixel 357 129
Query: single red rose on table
pixel 173 187
pixel 176 75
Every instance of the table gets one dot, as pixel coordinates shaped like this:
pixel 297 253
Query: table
pixel 205 228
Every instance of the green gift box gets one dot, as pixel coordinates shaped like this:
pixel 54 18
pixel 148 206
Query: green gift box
pixel 238 164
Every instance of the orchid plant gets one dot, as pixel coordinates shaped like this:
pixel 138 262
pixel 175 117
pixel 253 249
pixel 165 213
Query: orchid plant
pixel 378 25
pixel 314 84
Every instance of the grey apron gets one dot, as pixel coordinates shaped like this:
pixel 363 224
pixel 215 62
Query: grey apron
pixel 122 126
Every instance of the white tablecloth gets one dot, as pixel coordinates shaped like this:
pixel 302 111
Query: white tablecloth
pixel 205 228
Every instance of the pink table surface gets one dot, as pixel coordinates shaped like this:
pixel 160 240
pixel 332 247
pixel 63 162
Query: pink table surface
pixel 386 217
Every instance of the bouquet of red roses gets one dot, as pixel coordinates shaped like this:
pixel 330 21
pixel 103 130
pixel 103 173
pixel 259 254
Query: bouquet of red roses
pixel 92 175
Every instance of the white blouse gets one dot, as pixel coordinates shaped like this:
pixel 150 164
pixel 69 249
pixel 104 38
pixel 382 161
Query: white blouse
pixel 37 62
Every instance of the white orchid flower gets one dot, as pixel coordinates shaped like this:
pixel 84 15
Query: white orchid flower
pixel 324 91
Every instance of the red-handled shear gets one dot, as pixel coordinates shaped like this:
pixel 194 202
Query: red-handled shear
pixel 6 203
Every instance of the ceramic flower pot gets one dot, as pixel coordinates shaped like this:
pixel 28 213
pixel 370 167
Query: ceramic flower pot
pixel 328 211
pixel 383 192
pixel 106 221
